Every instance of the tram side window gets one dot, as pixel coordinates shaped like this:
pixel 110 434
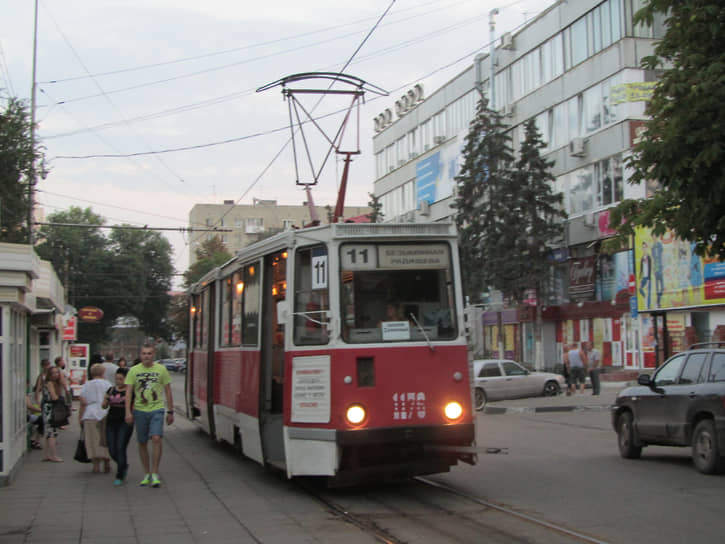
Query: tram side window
pixel 204 308
pixel 397 293
pixel 311 300
pixel 250 305
pixel 230 322
pixel 196 321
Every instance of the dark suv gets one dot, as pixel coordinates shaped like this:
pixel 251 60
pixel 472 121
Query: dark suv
pixel 683 404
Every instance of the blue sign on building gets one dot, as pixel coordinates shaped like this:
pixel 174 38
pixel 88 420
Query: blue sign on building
pixel 427 173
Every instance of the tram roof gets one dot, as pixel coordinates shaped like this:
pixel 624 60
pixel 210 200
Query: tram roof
pixel 325 233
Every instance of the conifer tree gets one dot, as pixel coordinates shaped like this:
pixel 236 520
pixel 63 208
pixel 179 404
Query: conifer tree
pixel 506 212
pixel 481 188
pixel 376 214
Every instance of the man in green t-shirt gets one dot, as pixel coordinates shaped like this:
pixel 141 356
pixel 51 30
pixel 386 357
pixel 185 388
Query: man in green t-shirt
pixel 149 380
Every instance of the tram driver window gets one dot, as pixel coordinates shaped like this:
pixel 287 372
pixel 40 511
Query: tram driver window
pixel 414 278
pixel 311 300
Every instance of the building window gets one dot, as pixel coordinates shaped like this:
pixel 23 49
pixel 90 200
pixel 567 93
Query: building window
pixel 253 225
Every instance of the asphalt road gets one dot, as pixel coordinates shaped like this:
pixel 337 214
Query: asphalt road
pixel 564 467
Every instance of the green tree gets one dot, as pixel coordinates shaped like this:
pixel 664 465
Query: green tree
pixel 682 146
pixel 18 159
pixel 144 259
pixel 81 258
pixel 125 274
pixel 482 196
pixel 376 215
pixel 541 224
pixel 210 254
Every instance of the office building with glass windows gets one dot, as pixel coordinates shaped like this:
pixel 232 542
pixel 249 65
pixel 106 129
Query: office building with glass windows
pixel 575 69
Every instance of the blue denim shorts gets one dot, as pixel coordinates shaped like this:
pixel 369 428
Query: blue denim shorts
pixel 148 424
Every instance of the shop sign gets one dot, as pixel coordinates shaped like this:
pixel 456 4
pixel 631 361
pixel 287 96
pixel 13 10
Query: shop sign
pixel 582 279
pixel 90 314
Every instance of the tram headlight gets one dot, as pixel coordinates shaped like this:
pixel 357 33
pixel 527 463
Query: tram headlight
pixel 453 411
pixel 355 414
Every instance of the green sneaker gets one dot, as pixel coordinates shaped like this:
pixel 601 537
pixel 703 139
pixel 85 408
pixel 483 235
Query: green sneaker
pixel 146 480
pixel 155 482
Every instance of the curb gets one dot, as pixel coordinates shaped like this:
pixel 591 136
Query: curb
pixel 500 410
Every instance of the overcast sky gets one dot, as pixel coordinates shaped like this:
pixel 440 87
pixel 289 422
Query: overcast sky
pixel 120 77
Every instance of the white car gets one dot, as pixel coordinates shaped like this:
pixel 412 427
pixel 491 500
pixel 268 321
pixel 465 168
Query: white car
pixel 500 379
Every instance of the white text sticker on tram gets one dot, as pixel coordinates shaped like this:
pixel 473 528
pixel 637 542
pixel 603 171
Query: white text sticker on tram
pixel 311 389
pixel 359 257
pixel 408 405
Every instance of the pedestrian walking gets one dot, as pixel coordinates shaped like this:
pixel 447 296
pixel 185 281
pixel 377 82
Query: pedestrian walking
pixel 146 408
pixel 565 371
pixel 52 391
pixel 92 415
pixel 595 362
pixel 577 368
pixel 118 432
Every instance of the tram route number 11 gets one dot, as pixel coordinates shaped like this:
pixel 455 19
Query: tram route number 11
pixel 319 272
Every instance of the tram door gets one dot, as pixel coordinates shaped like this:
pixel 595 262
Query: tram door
pixel 272 362
pixel 210 311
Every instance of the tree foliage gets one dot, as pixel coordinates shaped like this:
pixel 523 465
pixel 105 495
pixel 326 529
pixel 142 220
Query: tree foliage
pixel 376 214
pixel 127 273
pixel 506 212
pixel 210 254
pixel 18 158
pixel 682 147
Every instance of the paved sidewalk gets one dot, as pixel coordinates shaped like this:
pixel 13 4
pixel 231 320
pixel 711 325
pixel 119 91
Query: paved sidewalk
pixel 560 403
pixel 210 494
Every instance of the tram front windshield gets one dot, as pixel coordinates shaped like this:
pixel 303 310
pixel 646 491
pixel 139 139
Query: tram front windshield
pixel 393 292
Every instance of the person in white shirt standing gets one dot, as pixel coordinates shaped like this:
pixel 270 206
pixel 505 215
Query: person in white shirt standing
pixel 91 415
pixel 595 362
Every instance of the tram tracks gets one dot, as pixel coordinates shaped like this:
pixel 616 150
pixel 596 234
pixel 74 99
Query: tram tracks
pixel 424 511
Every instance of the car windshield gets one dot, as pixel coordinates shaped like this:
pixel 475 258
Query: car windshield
pixel 397 292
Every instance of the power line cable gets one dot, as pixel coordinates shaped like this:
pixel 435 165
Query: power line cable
pixel 247 92
pixel 108 98
pixel 284 146
pixel 262 44
pixel 6 71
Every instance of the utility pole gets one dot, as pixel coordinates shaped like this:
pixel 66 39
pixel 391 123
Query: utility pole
pixel 32 177
pixel 492 58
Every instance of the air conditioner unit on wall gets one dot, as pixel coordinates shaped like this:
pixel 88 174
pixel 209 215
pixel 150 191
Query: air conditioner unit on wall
pixel 401 162
pixel 438 140
pixel 577 147
pixel 424 207
pixel 507 41
pixel 508 110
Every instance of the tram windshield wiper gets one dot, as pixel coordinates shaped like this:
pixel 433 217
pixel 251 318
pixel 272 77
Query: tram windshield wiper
pixel 422 330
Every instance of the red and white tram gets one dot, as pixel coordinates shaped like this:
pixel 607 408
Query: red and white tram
pixel 336 351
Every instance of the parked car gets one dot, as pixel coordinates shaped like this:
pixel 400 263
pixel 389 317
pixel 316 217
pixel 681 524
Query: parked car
pixel 499 379
pixel 180 365
pixel 682 404
pixel 170 364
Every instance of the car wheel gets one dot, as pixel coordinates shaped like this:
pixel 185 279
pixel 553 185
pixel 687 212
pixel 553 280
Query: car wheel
pixel 480 399
pixel 551 389
pixel 705 450
pixel 625 437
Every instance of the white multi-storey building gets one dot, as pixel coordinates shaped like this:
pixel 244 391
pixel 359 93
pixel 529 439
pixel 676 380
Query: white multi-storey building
pixel 575 69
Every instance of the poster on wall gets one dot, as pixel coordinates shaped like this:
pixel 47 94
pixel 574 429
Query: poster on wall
pixel 435 176
pixel 670 275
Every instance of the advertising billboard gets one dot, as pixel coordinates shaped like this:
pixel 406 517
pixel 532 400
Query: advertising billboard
pixel 670 275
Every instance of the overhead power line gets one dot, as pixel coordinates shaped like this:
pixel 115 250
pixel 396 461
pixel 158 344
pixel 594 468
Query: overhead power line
pixel 129 227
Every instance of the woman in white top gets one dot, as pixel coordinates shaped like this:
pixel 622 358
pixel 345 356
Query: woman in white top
pixel 91 416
